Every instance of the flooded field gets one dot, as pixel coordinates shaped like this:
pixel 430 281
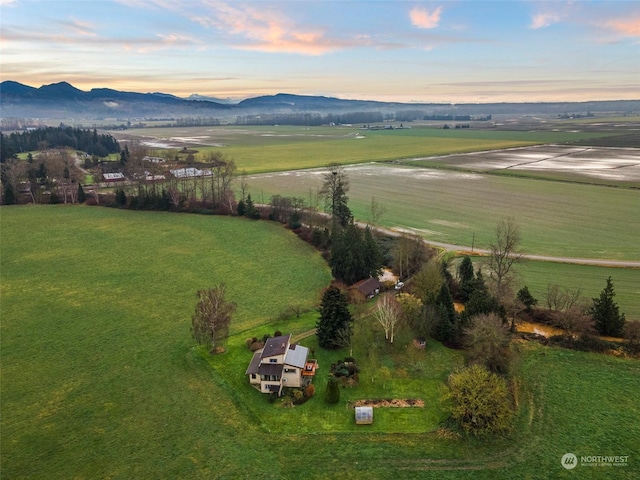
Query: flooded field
pixel 539 329
pixel 549 331
pixel 619 164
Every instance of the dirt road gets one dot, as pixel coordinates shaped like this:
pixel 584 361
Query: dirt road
pixel 578 261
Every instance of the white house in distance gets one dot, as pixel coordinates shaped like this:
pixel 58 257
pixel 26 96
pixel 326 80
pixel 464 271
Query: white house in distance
pixel 113 177
pixel 281 364
pixel 190 172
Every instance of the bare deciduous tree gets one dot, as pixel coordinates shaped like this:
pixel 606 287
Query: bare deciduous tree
pixel 388 315
pixel 504 254
pixel 489 342
pixel 376 211
pixel 211 320
pixel 569 311
pixel 409 255
pixel 14 172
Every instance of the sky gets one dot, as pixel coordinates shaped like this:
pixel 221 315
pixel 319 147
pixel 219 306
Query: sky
pixel 390 50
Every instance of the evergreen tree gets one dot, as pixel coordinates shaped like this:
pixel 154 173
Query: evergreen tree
pixel 121 197
pixel 332 394
pixel 82 197
pixel 372 254
pixel 466 278
pixel 447 318
pixel 606 313
pixel 335 322
pixel 481 301
pixel 250 210
pixel 355 255
pixel 241 208
pixel 526 298
pixel 124 155
pixel 335 185
pixel 444 329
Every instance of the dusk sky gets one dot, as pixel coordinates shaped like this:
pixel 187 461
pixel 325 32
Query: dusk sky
pixel 446 51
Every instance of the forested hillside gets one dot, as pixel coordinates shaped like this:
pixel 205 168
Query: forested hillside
pixel 85 140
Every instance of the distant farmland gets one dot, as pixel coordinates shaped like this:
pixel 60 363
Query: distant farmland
pixel 556 218
pixel 277 148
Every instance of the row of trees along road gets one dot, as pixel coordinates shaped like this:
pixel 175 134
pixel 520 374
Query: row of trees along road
pixel 355 255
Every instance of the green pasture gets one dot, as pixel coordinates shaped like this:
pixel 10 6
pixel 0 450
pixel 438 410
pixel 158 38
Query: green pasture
pixel 101 379
pixel 277 148
pixel 589 279
pixel 557 219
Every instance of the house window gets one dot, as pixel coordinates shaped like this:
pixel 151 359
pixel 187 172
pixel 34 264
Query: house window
pixel 289 370
pixel 273 360
pixel 253 376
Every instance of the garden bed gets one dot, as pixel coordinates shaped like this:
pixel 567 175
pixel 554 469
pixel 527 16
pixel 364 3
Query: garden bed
pixel 389 402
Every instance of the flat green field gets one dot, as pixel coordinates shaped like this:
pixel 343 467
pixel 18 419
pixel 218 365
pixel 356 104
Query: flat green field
pixel 557 219
pixel 100 378
pixel 277 148
pixel 589 279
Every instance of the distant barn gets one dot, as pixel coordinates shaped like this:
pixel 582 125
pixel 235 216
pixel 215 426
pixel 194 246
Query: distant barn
pixel 113 177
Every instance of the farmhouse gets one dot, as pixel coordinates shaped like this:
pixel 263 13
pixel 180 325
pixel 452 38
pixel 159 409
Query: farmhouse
pixel 147 158
pixel 190 172
pixel 281 364
pixel 149 177
pixel 113 177
pixel 365 289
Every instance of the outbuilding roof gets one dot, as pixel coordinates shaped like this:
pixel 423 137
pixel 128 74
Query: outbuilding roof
pixel 367 286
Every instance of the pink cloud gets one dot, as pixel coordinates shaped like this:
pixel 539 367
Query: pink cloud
pixel 262 27
pixel 542 20
pixel 627 27
pixel 421 18
pixel 269 31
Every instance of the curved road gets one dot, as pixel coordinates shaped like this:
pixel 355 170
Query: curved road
pixel 450 247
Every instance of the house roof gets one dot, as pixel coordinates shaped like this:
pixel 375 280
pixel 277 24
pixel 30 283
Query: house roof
pixel 255 363
pixel 296 356
pixel 270 369
pixel 367 286
pixel 276 346
pixel 113 176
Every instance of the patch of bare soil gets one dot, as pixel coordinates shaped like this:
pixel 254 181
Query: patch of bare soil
pixel 390 402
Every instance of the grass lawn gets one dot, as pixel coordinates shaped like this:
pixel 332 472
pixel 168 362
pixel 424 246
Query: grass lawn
pixel 100 378
pixel 415 374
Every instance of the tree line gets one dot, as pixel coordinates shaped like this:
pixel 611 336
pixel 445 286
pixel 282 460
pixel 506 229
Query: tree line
pixel 89 141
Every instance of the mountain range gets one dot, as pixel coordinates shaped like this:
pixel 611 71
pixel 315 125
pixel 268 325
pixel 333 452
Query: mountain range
pixel 63 100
